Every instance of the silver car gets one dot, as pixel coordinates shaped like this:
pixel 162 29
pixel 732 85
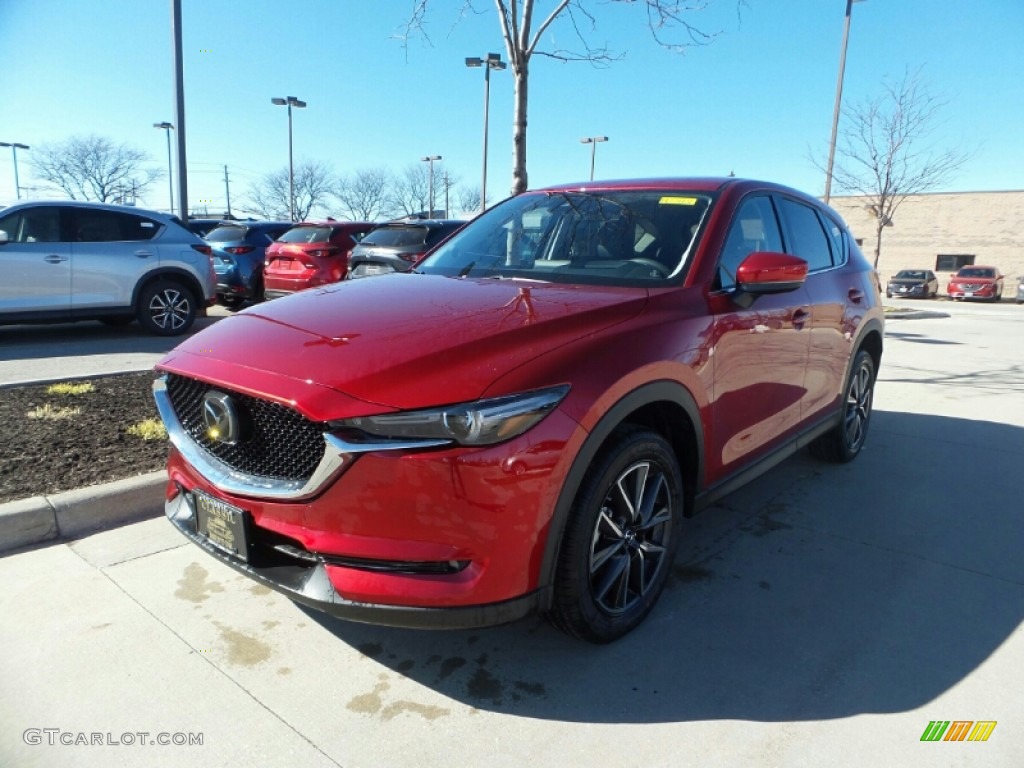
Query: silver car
pixel 64 260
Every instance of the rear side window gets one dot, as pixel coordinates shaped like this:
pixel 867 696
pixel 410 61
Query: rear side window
pixel 437 234
pixel 96 226
pixel 306 235
pixel 807 237
pixel 397 236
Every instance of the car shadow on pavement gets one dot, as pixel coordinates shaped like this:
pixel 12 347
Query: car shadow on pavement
pixel 818 591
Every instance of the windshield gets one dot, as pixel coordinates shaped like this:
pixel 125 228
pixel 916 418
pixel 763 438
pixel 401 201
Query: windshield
pixel 910 274
pixel 226 234
pixel 397 236
pixel 614 237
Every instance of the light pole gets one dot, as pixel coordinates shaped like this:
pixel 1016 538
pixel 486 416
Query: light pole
pixel 290 102
pixel 493 61
pixel 430 159
pixel 15 146
pixel 593 141
pixel 839 99
pixel 167 127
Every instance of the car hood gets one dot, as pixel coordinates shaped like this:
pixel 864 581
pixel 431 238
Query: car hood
pixel 956 279
pixel 398 341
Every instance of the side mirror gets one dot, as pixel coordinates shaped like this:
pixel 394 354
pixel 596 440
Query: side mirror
pixel 770 272
pixel 4 237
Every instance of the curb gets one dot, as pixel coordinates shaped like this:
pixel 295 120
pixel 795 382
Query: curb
pixel 71 514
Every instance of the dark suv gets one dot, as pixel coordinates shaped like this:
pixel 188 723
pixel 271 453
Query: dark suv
pixel 397 245
pixel 523 422
pixel 238 251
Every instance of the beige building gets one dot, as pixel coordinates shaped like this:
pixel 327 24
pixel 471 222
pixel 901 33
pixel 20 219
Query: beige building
pixel 986 225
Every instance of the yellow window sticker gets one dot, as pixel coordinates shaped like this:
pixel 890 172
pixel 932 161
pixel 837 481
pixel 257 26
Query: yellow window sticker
pixel 675 200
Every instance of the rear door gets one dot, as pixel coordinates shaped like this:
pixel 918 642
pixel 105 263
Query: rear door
pixel 35 264
pixel 112 251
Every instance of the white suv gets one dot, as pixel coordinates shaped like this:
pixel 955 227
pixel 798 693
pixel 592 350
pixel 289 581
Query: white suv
pixel 65 260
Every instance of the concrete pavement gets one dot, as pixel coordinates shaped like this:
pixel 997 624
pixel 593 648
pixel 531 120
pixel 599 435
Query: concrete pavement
pixel 822 615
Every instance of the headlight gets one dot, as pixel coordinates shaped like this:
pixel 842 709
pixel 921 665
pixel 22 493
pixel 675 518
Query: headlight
pixel 483 422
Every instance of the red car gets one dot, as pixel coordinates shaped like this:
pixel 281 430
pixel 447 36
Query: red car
pixel 976 283
pixel 310 254
pixel 642 348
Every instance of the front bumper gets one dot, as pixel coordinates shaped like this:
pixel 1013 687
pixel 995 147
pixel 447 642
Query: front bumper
pixel 311 585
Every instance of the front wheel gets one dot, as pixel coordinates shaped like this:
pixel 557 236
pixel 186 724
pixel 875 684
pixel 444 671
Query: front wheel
pixel 846 439
pixel 166 308
pixel 620 539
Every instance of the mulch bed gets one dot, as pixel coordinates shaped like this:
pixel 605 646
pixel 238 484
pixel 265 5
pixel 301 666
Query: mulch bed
pixel 75 440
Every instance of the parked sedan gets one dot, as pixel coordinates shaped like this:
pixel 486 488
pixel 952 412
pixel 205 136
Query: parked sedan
pixel 523 422
pixel 976 282
pixel 311 254
pixel 917 283
pixel 239 248
pixel 397 245
pixel 1020 290
pixel 63 260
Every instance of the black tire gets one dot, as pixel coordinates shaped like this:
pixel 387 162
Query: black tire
pixel 258 292
pixel 620 539
pixel 845 441
pixel 166 308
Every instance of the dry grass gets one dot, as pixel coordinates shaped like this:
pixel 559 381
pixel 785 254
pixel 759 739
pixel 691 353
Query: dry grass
pixel 71 388
pixel 150 429
pixel 49 412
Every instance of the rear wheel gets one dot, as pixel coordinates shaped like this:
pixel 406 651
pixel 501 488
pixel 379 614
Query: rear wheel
pixel 620 539
pixel 166 308
pixel 846 439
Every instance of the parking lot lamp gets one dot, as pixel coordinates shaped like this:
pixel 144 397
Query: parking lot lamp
pixel 290 101
pixel 839 99
pixel 430 159
pixel 493 61
pixel 593 141
pixel 168 127
pixel 15 146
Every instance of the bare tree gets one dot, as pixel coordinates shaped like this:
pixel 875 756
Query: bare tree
pixel 313 185
pixel 364 195
pixel 665 19
pixel 94 168
pixel 409 194
pixel 884 154
pixel 469 199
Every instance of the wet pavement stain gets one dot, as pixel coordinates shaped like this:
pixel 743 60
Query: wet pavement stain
pixel 687 574
pixel 451 665
pixel 259 589
pixel 268 625
pixel 193 585
pixel 243 649
pixel 405 666
pixel 485 686
pixel 427 712
pixel 765 585
pixel 369 703
pixel 372 650
pixel 284 670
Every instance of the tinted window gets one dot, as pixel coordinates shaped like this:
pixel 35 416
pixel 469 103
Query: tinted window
pixel 35 225
pixel 439 233
pixel 226 234
pixel 755 228
pixel 97 226
pixel 808 239
pixel 397 236
pixel 306 235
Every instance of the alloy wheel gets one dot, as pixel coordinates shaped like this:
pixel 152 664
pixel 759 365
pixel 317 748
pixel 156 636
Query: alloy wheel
pixel 170 309
pixel 858 407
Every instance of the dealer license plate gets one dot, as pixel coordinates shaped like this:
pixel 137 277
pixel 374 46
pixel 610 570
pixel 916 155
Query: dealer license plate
pixel 222 524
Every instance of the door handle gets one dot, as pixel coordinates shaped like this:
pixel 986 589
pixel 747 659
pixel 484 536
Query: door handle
pixel 856 295
pixel 143 254
pixel 800 318
pixel 54 258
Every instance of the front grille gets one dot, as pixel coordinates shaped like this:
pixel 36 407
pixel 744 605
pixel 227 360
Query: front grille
pixel 276 441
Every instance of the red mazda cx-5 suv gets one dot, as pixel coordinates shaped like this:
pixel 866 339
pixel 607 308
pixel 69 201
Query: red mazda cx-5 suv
pixel 638 348
pixel 310 254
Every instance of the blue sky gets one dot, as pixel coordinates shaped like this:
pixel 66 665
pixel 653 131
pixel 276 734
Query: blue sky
pixel 756 101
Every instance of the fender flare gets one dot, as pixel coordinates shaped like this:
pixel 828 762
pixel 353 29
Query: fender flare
pixel 654 392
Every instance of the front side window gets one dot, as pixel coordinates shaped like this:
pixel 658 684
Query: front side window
pixel 34 225
pixel 640 238
pixel 754 228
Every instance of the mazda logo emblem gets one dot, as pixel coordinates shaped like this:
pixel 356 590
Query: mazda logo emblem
pixel 220 417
